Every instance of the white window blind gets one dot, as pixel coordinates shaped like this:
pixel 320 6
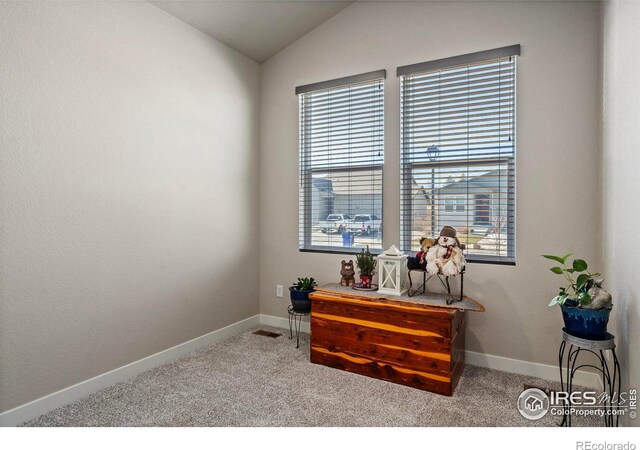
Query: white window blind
pixel 458 145
pixel 341 159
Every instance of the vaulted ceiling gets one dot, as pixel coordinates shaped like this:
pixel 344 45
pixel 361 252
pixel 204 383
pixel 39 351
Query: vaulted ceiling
pixel 257 29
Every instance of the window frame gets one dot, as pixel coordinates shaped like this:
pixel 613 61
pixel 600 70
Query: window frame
pixel 306 169
pixel 407 214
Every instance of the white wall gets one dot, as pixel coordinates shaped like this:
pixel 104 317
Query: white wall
pixel 621 184
pixel 558 180
pixel 129 185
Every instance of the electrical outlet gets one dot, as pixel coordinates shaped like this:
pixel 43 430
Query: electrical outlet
pixel 279 290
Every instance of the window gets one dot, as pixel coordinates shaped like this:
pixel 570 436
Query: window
pixel 341 159
pixel 452 203
pixel 448 205
pixel 458 122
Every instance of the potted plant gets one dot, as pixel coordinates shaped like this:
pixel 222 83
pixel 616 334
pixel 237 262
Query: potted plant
pixel 299 293
pixel 585 305
pixel 366 262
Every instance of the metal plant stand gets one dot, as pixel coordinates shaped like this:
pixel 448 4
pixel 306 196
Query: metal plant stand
pixel 295 321
pixel 611 382
pixel 422 289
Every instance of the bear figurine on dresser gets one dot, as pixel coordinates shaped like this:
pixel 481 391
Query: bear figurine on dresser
pixel 348 273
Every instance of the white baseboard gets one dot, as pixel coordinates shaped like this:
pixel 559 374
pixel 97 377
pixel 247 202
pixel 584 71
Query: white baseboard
pixel 281 322
pixel 544 371
pixel 40 406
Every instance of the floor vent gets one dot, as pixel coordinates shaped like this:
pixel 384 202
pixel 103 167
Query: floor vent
pixel 267 333
pixel 547 390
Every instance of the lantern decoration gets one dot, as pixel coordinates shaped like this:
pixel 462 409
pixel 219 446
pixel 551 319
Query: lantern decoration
pixel 392 265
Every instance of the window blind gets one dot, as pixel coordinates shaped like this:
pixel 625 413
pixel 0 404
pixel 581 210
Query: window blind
pixel 458 145
pixel 341 160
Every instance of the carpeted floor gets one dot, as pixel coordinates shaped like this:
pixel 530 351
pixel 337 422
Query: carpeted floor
pixel 251 380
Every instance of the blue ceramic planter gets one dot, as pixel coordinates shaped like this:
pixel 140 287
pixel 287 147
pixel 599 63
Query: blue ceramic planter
pixel 586 323
pixel 300 300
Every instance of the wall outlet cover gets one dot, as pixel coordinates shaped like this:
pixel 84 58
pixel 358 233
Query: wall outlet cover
pixel 279 290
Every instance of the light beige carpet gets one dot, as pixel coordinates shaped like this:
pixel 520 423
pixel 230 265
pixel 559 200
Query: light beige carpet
pixel 251 380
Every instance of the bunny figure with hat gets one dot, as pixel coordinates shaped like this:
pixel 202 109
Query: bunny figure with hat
pixel 445 257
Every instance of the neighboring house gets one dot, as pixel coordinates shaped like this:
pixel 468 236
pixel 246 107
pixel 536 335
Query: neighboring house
pixel 321 199
pixel 475 201
pixel 339 193
pixel 421 213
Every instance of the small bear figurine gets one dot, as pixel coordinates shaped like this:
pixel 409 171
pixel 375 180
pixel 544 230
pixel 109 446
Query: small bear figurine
pixel 347 272
pixel 425 245
pixel 446 256
pixel 419 261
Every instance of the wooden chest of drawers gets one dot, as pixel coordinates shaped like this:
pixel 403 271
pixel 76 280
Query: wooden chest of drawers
pixel 407 343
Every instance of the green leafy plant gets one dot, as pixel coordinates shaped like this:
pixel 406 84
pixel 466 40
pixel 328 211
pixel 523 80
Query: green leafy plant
pixel 305 284
pixel 366 262
pixel 579 280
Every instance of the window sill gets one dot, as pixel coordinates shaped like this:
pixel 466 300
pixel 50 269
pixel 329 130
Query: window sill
pixel 476 260
pixel 340 251
pixel 376 252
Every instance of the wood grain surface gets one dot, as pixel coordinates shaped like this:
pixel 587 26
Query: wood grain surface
pixel 417 346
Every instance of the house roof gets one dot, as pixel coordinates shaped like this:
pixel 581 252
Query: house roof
pixel 487 182
pixel 348 183
pixel 322 184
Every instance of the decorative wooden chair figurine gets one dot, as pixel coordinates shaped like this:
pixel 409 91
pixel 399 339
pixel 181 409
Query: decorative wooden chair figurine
pixel 444 258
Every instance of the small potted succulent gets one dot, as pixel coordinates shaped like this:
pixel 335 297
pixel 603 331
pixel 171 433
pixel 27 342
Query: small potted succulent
pixel 585 305
pixel 366 263
pixel 299 293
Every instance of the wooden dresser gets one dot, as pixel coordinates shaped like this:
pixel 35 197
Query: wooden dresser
pixel 405 342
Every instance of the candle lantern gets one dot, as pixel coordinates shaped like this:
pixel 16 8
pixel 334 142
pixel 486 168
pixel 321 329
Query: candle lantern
pixel 392 267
